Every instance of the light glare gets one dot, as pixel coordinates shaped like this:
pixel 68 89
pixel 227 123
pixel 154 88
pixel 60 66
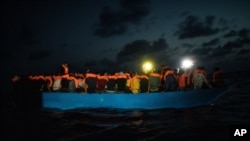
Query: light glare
pixel 187 63
pixel 147 67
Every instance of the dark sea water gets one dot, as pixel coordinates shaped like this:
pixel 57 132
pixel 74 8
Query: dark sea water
pixel 199 123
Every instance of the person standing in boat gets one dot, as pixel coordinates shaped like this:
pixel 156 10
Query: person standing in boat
pixel 64 77
pixel 64 70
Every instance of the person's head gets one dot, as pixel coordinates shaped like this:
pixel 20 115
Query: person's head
pixel 181 71
pixel 202 68
pixel 64 64
pixel 121 73
pixel 133 73
pixel 15 78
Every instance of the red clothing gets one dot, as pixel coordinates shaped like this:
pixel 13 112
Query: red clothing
pixel 183 80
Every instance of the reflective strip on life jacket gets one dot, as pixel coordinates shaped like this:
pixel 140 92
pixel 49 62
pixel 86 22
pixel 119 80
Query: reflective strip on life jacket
pixel 156 75
pixel 122 76
pixel 112 77
pixel 103 77
pixel 92 75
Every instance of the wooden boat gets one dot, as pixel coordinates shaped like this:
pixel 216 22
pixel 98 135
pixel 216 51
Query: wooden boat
pixel 176 99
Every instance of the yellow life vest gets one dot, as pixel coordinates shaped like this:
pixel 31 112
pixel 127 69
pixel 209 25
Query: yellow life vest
pixel 134 84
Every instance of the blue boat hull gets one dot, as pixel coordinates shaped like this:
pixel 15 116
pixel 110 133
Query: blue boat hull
pixel 177 99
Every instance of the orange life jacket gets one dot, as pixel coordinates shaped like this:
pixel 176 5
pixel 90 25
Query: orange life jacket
pixel 134 82
pixel 155 75
pixel 182 80
pixel 168 73
pixel 143 77
pixel 121 76
pixel 102 77
pixel 127 74
pixel 200 71
pixel 92 75
pixel 50 80
pixel 66 69
pixel 112 77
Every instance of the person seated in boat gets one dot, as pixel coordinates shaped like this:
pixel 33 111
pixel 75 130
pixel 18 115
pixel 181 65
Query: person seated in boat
pixel 82 86
pixel 56 82
pixel 200 69
pixel 102 81
pixel 170 82
pixel 217 78
pixel 91 81
pixel 64 83
pixel 154 81
pixel 121 80
pixel 164 68
pixel 144 83
pixel 183 79
pixel 133 83
pixel 73 83
pixel 111 84
pixel 199 79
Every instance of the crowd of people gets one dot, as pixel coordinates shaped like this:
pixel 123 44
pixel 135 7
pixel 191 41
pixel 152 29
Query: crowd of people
pixel 165 79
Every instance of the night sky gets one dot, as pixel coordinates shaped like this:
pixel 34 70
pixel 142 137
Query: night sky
pixel 38 35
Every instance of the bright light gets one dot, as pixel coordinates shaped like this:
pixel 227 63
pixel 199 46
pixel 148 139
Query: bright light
pixel 187 63
pixel 147 66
